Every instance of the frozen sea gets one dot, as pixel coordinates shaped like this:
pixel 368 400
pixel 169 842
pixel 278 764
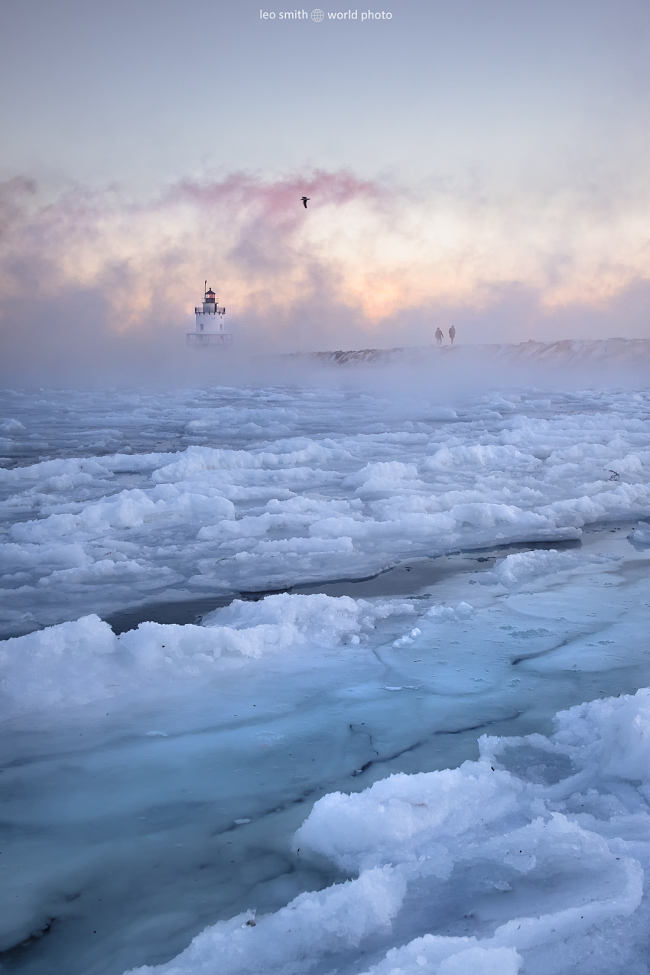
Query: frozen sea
pixel 340 668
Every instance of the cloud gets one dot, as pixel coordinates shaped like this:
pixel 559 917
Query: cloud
pixel 96 281
pixel 15 194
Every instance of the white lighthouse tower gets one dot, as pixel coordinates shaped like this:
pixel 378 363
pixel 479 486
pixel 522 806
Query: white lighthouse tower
pixel 209 329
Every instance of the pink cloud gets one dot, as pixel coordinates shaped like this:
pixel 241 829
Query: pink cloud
pixel 277 198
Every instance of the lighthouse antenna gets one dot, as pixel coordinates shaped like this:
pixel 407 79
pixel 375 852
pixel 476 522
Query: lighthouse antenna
pixel 205 287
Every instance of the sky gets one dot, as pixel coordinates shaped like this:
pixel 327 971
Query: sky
pixel 481 164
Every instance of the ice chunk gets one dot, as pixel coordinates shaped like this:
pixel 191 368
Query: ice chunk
pixel 524 567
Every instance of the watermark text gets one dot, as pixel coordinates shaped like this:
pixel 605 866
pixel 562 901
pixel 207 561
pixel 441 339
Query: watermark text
pixel 317 15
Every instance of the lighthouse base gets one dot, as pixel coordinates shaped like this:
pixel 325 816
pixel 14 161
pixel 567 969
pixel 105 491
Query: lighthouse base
pixel 198 340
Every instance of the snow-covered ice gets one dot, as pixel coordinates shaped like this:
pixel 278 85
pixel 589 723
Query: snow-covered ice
pixel 281 665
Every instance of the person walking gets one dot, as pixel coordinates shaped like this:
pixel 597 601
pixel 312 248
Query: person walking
pixel 452 333
pixel 438 335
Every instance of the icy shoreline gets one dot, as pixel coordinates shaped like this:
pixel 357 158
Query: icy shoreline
pixel 261 491
pixel 525 834
pixel 153 780
pixel 283 730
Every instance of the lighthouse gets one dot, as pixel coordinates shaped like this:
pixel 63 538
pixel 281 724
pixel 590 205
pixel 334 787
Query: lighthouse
pixel 209 329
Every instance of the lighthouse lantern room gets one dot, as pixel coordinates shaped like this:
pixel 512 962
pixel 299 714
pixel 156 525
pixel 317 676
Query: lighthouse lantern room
pixel 209 328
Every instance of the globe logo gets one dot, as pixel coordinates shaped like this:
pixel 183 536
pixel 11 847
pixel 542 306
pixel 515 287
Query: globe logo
pixel 317 15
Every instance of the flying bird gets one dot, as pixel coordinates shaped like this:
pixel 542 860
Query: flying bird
pixel 304 200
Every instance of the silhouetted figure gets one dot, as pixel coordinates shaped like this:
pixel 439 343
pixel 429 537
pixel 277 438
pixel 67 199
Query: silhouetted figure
pixel 304 200
pixel 439 335
pixel 452 334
